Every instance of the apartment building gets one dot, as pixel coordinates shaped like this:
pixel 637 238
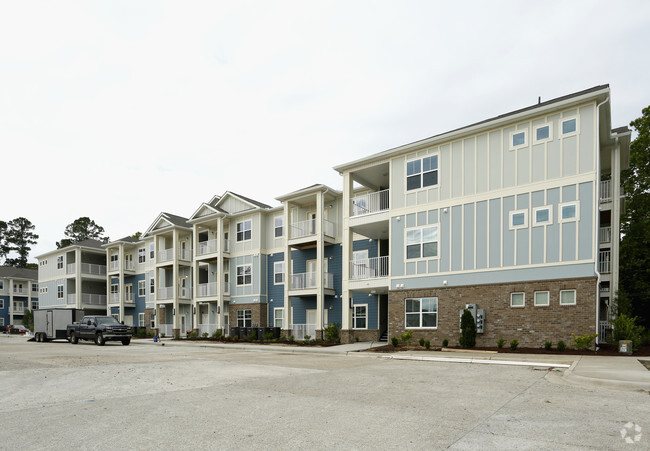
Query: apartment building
pixel 18 292
pixel 516 217
pixel 74 277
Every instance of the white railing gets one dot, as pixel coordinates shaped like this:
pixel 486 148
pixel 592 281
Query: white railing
pixel 605 234
pixel 114 265
pixel 129 265
pixel 20 309
pixel 20 290
pixel 604 332
pixel 369 203
pixel 129 298
pixel 207 247
pixel 93 299
pixel 166 329
pixel 72 298
pixel 307 280
pixel 207 289
pixel 306 228
pixel 606 191
pixel 115 298
pixel 604 289
pixel 300 330
pixel 165 255
pixel 185 254
pixel 370 268
pixel 226 288
pixel 209 329
pixel 165 293
pixel 70 268
pixel 92 269
pixel 185 293
pixel 604 262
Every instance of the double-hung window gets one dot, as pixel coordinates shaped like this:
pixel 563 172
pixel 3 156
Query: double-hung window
pixel 422 172
pixel 244 275
pixel 59 262
pixel 140 319
pixel 278 317
pixel 142 255
pixel 244 318
pixel 142 288
pixel 278 273
pixel 421 313
pixel 244 230
pixel 151 251
pixel 360 317
pixel 422 242
pixel 152 286
pixel 59 291
pixel 278 225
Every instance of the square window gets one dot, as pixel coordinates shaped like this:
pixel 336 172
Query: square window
pixel 542 216
pixel 518 139
pixel 541 298
pixel 244 275
pixel 517 300
pixel 422 242
pixel 244 230
pixel 244 318
pixel 569 126
pixel 518 219
pixel 568 297
pixel 542 133
pixel 422 173
pixel 569 212
pixel 421 313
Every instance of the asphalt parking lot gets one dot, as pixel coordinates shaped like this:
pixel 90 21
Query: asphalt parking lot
pixel 57 395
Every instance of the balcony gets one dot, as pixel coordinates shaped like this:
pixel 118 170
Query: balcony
pixel 72 299
pixel 166 330
pixel 606 191
pixel 19 309
pixel 308 281
pixel 208 289
pixel 210 329
pixel 165 293
pixel 605 235
pixel 366 204
pixel 165 255
pixel 371 268
pixel 604 262
pixel 87 268
pixel 185 254
pixel 21 291
pixel 299 331
pixel 87 299
pixel 307 228
pixel 115 298
pixel 207 247
pixel 128 266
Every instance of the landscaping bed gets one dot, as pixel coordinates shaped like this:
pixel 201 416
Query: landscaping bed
pixel 604 350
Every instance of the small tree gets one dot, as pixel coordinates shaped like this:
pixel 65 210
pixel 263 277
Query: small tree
pixel 331 333
pixel 625 328
pixel 28 319
pixel 81 229
pixel 468 330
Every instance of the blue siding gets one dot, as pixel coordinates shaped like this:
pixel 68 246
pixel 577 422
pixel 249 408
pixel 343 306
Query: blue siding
pixel 373 308
pixel 508 248
pixel 468 238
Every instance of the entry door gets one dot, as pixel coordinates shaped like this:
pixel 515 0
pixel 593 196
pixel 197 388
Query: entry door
pixel 183 288
pixel 183 328
pixel 128 290
pixel 360 264
pixel 311 317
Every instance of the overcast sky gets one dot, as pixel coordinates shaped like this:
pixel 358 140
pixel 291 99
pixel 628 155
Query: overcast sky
pixel 118 110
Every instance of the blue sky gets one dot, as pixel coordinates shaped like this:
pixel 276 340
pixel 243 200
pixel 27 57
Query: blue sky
pixel 120 110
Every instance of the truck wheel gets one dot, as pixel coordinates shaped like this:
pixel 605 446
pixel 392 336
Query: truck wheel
pixel 73 338
pixel 99 339
pixel 126 341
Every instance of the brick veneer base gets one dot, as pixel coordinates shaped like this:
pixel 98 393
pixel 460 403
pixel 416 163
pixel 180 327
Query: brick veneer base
pixel 258 313
pixel 351 335
pixel 531 325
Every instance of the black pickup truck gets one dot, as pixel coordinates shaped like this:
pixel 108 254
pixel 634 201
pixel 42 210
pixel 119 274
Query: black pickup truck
pixel 100 329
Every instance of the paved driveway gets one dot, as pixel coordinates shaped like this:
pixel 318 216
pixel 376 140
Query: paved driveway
pixel 57 395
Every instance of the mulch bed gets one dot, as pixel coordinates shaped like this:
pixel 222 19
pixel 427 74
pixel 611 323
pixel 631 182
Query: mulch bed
pixel 644 351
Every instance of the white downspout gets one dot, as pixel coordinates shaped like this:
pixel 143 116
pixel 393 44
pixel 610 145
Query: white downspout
pixel 597 237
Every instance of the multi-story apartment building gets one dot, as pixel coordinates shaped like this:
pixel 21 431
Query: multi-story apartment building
pixel 18 292
pixel 74 277
pixel 516 216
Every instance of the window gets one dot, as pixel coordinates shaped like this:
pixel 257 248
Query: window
pixel 244 275
pixel 34 305
pixel 142 288
pixel 543 133
pixel 59 262
pixel 568 297
pixel 59 291
pixel 42 290
pixel 542 216
pixel 2 284
pixel 244 230
pixel 278 273
pixel 140 319
pixel 518 219
pixel 278 222
pixel 142 255
pixel 34 287
pixel 569 212
pixel 115 289
pixel 243 318
pixel 278 317
pixel 151 251
pixel 517 300
pixel 422 242
pixel 518 139
pixel 569 126
pixel 2 303
pixel 422 172
pixel 114 258
pixel 2 321
pixel 152 286
pixel 541 298
pixel 421 313
pixel 360 317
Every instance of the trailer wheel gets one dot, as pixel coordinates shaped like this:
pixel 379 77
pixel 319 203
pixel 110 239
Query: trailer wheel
pixel 38 337
pixel 126 341
pixel 73 338
pixel 99 339
pixel 43 337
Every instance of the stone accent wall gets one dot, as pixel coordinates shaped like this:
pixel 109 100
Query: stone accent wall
pixel 531 325
pixel 258 313
pixel 147 318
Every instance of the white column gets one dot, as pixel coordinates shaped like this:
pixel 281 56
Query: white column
pixel 347 242
pixel 175 286
pixel 11 301
pixel 77 279
pixel 220 237
pixel 120 281
pixel 615 219
pixel 320 254
pixel 286 318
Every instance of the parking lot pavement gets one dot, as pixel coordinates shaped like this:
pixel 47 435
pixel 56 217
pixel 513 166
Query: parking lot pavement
pixel 58 395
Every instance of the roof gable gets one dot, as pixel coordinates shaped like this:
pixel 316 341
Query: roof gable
pixel 233 203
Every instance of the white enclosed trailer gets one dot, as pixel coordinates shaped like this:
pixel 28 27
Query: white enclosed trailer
pixel 52 324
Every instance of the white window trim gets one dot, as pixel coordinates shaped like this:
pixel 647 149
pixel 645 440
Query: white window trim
pixel 520 146
pixel 59 262
pixel 521 226
pixel 550 215
pixel 2 321
pixel 548 299
pixel 2 303
pixel 421 258
pixel 415 190
pixel 524 299
pixel 575 297
pixel 275 271
pixel 142 255
pixel 275 226
pixel 354 310
pixel 565 119
pixel 62 292
pixel 550 133
pixel 142 285
pixel 564 204
pixel 275 315
pixel 422 328
pixel 237 240
pixel 237 276
pixel 141 320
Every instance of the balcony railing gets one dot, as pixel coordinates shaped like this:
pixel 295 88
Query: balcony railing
pixel 165 293
pixel 605 234
pixel 72 298
pixel 114 265
pixel 166 330
pixel 185 254
pixel 209 329
pixel 370 268
pixel 70 268
pixel 115 298
pixel 307 280
pixel 93 299
pixel 369 203
pixel 605 332
pixel 208 289
pixel 604 266
pixel 300 330
pixel 21 291
pixel 207 247
pixel 606 191
pixel 226 245
pixel 19 309
pixel 92 269
pixel 307 228
pixel 165 255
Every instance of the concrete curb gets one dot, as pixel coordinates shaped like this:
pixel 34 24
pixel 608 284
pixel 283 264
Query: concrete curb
pixel 479 361
pixel 570 377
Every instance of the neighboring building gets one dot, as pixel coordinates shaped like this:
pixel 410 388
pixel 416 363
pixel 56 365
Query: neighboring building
pixel 18 292
pixel 518 215
pixel 74 277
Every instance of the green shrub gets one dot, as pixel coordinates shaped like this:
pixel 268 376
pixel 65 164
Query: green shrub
pixel 583 342
pixel 468 330
pixel 204 335
pixel 394 341
pixel 406 338
pixel 548 345
pixel 427 344
pixel 625 328
pixel 252 335
pixel 561 346
pixel 283 337
pixel 291 339
pixel 268 336
pixel 217 334
pixel 307 337
pixel 421 341
pixel 445 343
pixel 331 333
pixel 500 343
pixel 514 344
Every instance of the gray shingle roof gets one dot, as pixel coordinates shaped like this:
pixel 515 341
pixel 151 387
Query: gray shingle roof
pixel 9 272
pixel 177 220
pixel 252 201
